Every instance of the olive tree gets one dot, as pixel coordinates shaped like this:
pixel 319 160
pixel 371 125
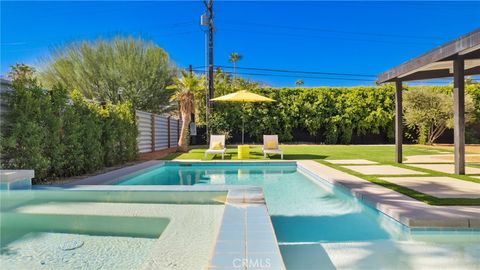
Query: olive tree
pixel 431 112
pixel 121 69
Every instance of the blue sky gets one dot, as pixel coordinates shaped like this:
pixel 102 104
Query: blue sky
pixel 340 37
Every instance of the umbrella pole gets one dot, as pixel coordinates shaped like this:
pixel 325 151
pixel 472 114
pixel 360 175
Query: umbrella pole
pixel 243 123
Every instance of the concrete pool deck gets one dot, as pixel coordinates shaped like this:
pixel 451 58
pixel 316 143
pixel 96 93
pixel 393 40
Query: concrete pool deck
pixel 351 161
pixel 438 186
pixel 445 168
pixel 406 210
pixel 382 170
pixel 440 158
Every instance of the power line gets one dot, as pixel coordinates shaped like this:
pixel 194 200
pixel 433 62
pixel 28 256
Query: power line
pixel 319 77
pixel 302 28
pixel 292 76
pixel 370 40
pixel 303 72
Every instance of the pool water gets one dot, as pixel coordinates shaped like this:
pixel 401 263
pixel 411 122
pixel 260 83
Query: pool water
pixel 76 242
pixel 319 226
pixel 101 229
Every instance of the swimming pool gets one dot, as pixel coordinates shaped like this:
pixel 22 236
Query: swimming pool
pixel 319 225
pixel 108 229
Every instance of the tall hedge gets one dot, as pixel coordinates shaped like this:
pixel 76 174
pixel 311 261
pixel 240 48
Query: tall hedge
pixel 338 112
pixel 58 133
pixel 334 113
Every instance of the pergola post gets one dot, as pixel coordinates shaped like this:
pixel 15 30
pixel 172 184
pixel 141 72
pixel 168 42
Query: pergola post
pixel 398 122
pixel 459 113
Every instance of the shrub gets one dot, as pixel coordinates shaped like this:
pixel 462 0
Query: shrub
pixel 24 134
pixel 58 134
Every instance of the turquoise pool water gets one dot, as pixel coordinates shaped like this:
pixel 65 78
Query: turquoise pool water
pixel 321 227
pixel 93 229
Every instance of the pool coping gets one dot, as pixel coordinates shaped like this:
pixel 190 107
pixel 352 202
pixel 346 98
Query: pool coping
pixel 406 210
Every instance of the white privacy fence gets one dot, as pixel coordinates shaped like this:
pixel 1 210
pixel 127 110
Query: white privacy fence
pixel 156 132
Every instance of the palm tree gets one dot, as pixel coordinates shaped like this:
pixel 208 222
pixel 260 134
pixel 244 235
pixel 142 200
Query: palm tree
pixel 299 83
pixel 234 58
pixel 186 88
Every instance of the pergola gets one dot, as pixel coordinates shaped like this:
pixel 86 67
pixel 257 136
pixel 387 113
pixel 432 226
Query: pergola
pixel 456 59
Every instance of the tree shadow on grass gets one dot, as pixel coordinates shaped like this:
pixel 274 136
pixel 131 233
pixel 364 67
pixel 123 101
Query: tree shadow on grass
pixel 227 156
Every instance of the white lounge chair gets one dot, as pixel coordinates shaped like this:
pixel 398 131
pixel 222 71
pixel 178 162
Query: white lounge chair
pixel 270 145
pixel 217 145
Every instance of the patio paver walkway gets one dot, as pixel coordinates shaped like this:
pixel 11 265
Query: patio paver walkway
pixel 445 168
pixel 382 170
pixel 351 161
pixel 443 158
pixel 438 186
pixel 404 209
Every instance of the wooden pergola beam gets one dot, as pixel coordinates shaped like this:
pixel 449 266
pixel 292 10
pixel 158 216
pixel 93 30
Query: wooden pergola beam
pixel 438 74
pixel 398 121
pixel 459 114
pixel 446 51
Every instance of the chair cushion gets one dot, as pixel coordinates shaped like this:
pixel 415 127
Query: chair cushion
pixel 217 146
pixel 271 145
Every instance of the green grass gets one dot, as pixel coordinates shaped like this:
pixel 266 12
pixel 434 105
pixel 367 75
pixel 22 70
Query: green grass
pixel 383 154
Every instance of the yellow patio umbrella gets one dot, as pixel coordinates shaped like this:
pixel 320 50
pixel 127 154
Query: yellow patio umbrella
pixel 242 96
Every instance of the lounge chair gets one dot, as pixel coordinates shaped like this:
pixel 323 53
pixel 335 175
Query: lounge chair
pixel 217 145
pixel 270 145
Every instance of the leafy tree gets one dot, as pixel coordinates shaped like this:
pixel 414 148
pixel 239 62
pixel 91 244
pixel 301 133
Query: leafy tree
pixel 121 69
pixel 186 88
pixel 234 57
pixel 431 112
pixel 299 83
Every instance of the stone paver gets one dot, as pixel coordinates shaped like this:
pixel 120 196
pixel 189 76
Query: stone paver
pixel 445 168
pixel 440 186
pixel 442 158
pixel 351 161
pixel 382 170
pixel 402 208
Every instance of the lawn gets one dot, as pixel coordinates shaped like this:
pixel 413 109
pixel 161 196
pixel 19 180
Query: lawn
pixel 384 154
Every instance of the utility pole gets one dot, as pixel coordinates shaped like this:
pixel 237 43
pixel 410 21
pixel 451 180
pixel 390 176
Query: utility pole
pixel 190 70
pixel 207 20
pixel 209 6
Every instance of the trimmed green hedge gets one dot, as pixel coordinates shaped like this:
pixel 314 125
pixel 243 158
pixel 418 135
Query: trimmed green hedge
pixel 337 112
pixel 60 134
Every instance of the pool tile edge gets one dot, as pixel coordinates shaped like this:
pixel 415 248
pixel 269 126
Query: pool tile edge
pixel 245 218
